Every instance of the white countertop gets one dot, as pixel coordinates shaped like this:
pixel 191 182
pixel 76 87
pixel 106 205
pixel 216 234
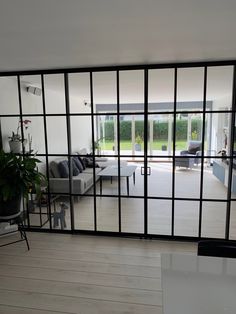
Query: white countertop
pixel 198 284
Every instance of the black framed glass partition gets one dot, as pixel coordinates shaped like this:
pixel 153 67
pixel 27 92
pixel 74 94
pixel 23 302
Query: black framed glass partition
pixel 141 150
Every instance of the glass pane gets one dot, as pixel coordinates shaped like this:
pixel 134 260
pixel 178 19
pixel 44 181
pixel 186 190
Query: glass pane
pixel 104 92
pixel 107 214
pixel 161 90
pixel 9 95
pixel 213 219
pixel 61 212
pixel 38 208
pixel 186 218
pixel 132 91
pixel 81 133
pixel 9 125
pixel 31 94
pixel 84 213
pixel 57 135
pixel 105 135
pixel 79 89
pixel 160 137
pixel 217 134
pixel 34 135
pixel 215 179
pixel 54 87
pixel 232 231
pixel 187 177
pixel 132 215
pixel 219 87
pixel 159 216
pixel 190 82
pixel 160 178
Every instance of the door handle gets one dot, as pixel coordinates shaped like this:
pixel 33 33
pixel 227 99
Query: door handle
pixel 148 171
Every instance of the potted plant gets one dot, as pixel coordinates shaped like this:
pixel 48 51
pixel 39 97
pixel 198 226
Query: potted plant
pixel 16 140
pixel 18 176
pixel 138 143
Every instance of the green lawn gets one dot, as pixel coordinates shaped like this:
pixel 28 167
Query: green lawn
pixel 127 145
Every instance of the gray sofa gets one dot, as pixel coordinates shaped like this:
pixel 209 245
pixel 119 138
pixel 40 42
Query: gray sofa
pixel 81 183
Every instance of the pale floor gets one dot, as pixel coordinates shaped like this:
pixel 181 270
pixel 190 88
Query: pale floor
pixel 159 211
pixel 83 275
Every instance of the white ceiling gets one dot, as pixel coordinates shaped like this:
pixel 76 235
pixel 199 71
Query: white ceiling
pixel 43 34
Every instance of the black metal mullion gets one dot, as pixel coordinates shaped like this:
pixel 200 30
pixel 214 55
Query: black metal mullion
pixel 68 125
pixel 203 151
pixel 46 150
pixel 174 143
pixel 118 145
pixel 22 135
pixel 93 152
pixel 145 152
pixel 232 138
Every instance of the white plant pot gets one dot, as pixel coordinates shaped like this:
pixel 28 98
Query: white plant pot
pixel 15 146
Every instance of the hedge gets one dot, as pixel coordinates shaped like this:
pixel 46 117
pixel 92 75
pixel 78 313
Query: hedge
pixel 160 129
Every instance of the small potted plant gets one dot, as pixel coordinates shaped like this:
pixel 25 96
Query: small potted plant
pixel 18 176
pixel 15 140
pixel 138 143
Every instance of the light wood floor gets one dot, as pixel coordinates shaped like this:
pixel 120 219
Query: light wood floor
pixel 83 274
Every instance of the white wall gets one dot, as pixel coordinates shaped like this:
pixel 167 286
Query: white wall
pixel 56 126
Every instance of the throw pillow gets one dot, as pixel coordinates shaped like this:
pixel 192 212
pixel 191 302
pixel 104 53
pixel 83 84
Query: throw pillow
pixel 76 171
pixel 89 162
pixel 63 169
pixel 82 162
pixel 78 164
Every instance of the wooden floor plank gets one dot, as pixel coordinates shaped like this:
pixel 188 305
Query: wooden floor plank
pixel 83 274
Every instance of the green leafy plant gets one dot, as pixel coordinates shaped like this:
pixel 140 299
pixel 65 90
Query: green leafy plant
pixel 138 139
pixel 18 176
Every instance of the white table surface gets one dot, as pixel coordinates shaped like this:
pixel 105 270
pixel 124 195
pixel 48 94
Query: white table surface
pixel 198 284
pixel 112 171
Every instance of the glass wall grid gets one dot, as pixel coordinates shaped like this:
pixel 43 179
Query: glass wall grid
pixel 60 111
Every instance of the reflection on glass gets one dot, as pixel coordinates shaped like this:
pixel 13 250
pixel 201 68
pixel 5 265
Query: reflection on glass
pixel 79 89
pixel 107 214
pixel 161 90
pixel 132 215
pixel 31 94
pixel 84 213
pixel 186 218
pixel 213 219
pixel 219 87
pixel 190 89
pixel 159 216
pixel 57 135
pixel 132 90
pixel 9 95
pixel 54 87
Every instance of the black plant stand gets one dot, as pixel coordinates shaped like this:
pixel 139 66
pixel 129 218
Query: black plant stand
pixel 18 220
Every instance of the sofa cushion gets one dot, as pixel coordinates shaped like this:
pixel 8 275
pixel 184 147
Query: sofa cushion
pixel 63 169
pixel 54 169
pixel 78 164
